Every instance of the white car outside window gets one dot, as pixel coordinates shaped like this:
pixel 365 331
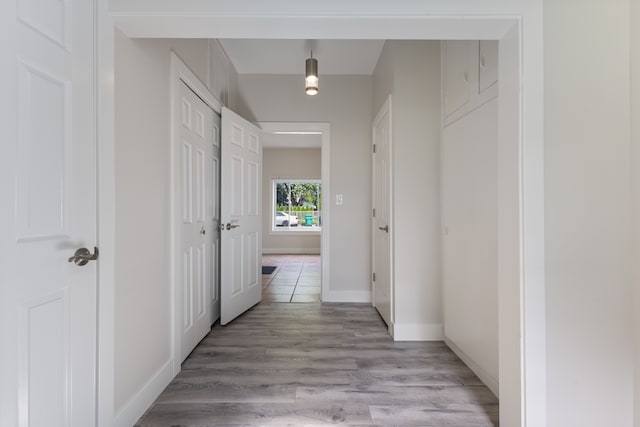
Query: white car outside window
pixel 283 219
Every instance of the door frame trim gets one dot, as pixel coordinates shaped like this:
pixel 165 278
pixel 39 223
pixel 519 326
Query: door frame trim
pixel 386 106
pixel 522 291
pixel 325 177
pixel 180 73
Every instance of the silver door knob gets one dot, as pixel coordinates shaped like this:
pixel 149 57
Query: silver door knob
pixel 230 226
pixel 385 228
pixel 83 256
pixel 203 231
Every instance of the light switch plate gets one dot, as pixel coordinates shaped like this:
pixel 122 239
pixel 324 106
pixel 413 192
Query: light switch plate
pixel 339 199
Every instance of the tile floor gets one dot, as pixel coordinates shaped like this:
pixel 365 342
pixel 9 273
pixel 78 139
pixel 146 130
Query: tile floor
pixel 296 278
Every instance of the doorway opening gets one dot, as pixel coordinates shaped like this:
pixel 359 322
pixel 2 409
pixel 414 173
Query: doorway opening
pixel 511 137
pixel 295 241
pixel 291 278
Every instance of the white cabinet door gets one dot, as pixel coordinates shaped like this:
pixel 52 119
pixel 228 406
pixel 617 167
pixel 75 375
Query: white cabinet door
pixel 48 191
pixel 488 64
pixel 457 74
pixel 241 239
pixel 197 249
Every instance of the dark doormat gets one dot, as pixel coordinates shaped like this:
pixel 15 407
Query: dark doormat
pixel 267 269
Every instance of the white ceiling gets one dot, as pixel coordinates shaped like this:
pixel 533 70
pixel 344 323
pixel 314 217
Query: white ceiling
pixel 272 140
pixel 253 56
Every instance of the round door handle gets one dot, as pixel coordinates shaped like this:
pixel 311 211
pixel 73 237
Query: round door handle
pixel 203 231
pixel 230 226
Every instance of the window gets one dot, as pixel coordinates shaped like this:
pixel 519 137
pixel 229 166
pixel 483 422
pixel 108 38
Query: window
pixel 297 205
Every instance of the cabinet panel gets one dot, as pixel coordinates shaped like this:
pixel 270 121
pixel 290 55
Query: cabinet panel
pixel 457 74
pixel 488 64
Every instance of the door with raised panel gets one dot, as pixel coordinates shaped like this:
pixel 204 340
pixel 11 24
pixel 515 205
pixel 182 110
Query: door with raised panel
pixel 215 254
pixel 241 238
pixel 381 200
pixel 48 192
pixel 198 138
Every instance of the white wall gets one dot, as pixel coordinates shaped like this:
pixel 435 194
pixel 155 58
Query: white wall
pixel 587 213
pixel 345 103
pixel 410 70
pixel 287 163
pixel 142 297
pixel 143 328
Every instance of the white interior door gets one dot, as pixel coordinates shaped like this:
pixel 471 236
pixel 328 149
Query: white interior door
pixel 48 193
pixel 197 136
pixel 381 197
pixel 215 291
pixel 241 164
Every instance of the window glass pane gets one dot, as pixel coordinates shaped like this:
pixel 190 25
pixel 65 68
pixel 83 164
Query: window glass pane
pixel 297 205
pixel 281 204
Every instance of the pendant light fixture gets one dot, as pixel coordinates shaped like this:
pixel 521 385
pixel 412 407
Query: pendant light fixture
pixel 311 76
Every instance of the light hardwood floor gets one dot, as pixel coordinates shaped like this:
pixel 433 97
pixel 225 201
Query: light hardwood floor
pixel 319 365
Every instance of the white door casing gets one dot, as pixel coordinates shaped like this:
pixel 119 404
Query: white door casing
pixel 241 238
pixel 520 126
pixel 381 258
pixel 48 188
pixel 198 213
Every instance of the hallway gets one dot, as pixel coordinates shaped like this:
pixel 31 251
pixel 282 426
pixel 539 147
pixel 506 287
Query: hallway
pixel 320 364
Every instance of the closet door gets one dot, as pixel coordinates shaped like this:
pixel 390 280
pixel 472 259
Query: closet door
pixel 197 140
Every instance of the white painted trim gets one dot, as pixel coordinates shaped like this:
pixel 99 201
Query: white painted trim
pixel 418 331
pixel 291 251
pixel 180 70
pixel 325 173
pixel 105 55
pixel 484 376
pixel 180 73
pixel 519 101
pixel 196 19
pixel 347 296
pixel 133 409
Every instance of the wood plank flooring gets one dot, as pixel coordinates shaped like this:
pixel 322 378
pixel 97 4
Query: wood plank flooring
pixel 319 365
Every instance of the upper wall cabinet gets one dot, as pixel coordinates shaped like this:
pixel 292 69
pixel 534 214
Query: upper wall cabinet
pixel 488 64
pixel 469 76
pixel 219 72
pixel 457 79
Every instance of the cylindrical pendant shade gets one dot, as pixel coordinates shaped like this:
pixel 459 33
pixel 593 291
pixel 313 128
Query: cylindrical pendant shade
pixel 311 77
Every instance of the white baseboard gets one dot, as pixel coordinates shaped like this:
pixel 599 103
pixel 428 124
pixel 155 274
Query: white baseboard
pixel 348 296
pixel 418 332
pixel 291 251
pixel 484 376
pixel 131 411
